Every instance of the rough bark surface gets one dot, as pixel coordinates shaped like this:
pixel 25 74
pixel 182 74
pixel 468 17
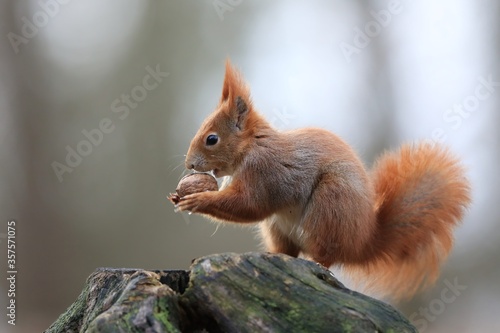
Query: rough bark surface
pixel 252 292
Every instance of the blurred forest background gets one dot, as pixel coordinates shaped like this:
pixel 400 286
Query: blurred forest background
pixel 124 84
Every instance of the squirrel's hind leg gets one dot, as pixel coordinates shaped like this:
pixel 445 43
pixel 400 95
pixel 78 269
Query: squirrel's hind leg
pixel 338 220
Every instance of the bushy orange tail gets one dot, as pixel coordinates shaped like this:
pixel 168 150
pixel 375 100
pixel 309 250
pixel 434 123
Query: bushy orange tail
pixel 422 194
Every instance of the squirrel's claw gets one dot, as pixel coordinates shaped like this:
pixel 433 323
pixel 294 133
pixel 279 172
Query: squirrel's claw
pixel 174 198
pixel 189 203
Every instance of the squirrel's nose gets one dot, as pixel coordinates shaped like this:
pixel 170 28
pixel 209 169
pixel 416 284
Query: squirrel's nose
pixel 189 165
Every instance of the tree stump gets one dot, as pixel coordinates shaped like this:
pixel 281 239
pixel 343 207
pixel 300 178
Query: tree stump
pixel 251 292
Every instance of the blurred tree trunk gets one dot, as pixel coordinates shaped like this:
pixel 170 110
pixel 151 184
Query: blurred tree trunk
pixel 24 166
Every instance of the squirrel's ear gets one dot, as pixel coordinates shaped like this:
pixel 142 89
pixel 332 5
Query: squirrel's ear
pixel 234 85
pixel 235 92
pixel 229 81
pixel 241 111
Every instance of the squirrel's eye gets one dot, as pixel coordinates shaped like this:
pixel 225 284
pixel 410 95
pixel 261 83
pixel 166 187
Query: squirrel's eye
pixel 212 139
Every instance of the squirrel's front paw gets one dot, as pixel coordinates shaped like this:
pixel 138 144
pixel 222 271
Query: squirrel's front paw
pixel 190 203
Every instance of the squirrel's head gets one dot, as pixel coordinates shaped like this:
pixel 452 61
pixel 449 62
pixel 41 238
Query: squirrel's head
pixel 226 134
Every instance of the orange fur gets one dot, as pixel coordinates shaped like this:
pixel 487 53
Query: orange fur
pixel 421 196
pixel 391 228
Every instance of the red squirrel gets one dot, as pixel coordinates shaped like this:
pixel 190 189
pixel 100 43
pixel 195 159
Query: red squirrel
pixel 391 226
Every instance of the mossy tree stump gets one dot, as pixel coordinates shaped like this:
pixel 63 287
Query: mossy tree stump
pixel 252 292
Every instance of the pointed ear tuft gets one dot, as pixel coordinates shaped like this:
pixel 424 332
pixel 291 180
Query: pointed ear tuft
pixel 237 96
pixel 234 85
pixel 228 81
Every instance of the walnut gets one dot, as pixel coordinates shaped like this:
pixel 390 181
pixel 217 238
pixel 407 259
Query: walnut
pixel 194 183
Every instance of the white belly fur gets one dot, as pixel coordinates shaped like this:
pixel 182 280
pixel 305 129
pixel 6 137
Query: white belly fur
pixel 289 223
